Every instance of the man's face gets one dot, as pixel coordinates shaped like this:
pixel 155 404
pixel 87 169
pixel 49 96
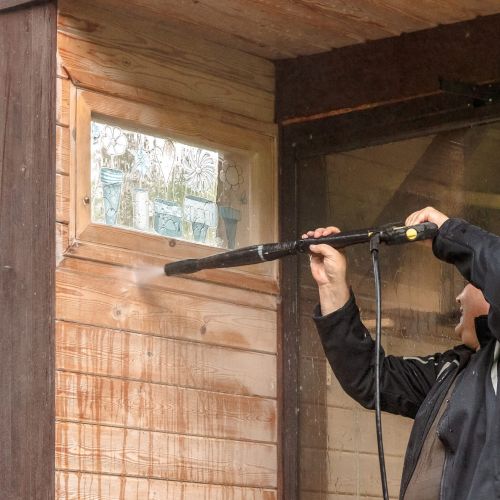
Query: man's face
pixel 472 304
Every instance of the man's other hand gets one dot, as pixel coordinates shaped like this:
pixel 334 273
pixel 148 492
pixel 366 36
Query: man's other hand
pixel 427 214
pixel 328 268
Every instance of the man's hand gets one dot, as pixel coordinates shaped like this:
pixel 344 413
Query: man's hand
pixel 328 268
pixel 427 214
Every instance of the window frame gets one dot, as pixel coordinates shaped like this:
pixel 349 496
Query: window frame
pixel 126 246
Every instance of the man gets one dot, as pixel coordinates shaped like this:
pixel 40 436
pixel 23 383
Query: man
pixel 454 448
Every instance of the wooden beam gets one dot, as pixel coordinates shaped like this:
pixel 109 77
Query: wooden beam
pixel 288 348
pixel 27 250
pixel 391 122
pixel 388 71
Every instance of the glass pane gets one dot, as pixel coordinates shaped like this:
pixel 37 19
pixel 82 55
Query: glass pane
pixel 458 173
pixel 155 184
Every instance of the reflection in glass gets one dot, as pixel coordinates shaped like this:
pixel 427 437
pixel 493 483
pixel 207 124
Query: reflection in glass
pixel 458 173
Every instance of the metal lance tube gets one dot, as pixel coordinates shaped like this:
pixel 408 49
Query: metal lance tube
pixel 392 234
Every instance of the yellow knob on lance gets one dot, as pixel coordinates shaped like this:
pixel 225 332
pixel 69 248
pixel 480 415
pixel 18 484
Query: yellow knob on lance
pixel 411 234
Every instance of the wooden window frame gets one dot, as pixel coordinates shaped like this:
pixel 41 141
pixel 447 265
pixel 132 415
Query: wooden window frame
pixel 130 247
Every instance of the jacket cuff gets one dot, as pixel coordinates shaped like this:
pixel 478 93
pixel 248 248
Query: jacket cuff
pixel 451 230
pixel 324 323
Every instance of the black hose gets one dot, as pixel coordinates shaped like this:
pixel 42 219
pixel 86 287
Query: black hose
pixel 374 250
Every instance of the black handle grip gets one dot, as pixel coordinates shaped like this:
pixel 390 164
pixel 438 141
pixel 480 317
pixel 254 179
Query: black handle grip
pixel 408 234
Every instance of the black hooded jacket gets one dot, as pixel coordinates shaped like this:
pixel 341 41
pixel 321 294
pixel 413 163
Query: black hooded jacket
pixel 415 387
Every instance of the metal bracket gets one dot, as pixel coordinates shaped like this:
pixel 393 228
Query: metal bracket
pixel 480 95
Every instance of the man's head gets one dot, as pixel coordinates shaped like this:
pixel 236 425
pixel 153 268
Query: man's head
pixel 472 304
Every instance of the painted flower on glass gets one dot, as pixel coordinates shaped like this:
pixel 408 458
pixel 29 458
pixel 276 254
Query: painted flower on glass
pixel 166 158
pixel 141 162
pixel 114 141
pixel 199 166
pixel 231 175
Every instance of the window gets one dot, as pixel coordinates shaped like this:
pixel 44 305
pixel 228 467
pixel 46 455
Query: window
pixel 156 184
pixel 151 184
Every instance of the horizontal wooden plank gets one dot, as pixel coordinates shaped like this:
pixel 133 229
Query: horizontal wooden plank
pixel 236 278
pixel 263 274
pixel 147 271
pixel 87 349
pixel 62 101
pixel 348 473
pixel 62 198
pixel 142 405
pixel 129 452
pixel 116 303
pixel 167 45
pixel 62 150
pixel 126 90
pixel 340 429
pixel 78 486
pixel 202 131
pixel 83 60
pixel 314 495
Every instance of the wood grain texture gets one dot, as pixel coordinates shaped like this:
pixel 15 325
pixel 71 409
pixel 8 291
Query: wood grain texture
pixel 348 473
pixel 78 486
pixel 283 29
pixel 122 354
pixel 96 22
pixel 130 452
pixel 388 70
pixel 62 101
pixel 179 410
pixel 62 150
pixel 83 60
pixel 116 303
pixel 62 198
pixel 288 352
pixel 127 90
pixel 27 221
pixel 235 278
pixel 149 273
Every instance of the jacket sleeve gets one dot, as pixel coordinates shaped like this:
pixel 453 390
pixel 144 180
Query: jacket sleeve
pixel 350 351
pixel 476 254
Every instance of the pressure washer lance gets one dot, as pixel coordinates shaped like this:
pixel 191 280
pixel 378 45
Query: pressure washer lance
pixel 391 234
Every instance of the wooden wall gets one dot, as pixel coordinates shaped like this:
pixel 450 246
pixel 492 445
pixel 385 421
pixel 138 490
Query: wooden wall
pixel 166 390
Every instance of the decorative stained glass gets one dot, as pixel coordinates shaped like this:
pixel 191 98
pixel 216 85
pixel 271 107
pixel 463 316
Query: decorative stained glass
pixel 159 185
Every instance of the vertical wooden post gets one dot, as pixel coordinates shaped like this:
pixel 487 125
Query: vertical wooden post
pixel 289 328
pixel 27 248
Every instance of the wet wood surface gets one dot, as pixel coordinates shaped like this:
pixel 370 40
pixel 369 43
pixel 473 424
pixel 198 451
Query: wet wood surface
pixel 118 353
pixel 160 455
pixel 75 486
pixel 105 301
pixel 166 387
